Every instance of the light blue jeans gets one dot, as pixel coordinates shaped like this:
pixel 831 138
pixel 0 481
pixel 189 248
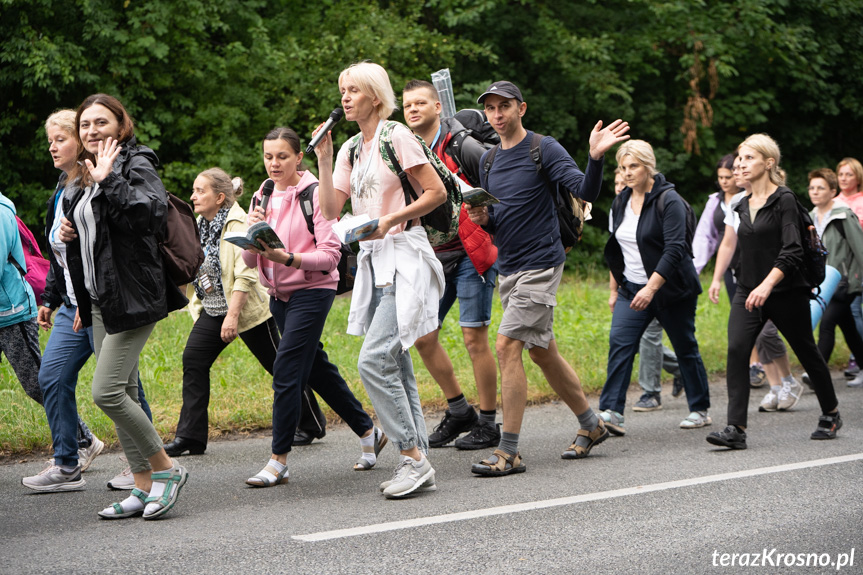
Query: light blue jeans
pixel 388 375
pixel 653 358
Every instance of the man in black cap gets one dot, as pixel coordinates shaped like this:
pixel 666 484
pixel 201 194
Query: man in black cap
pixel 530 259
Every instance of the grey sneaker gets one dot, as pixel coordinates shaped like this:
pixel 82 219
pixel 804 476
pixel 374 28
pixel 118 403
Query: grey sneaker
pixel 408 477
pixel 55 478
pixel 648 402
pixel 86 455
pixel 123 480
pixel 770 401
pixel 613 421
pixel 757 377
pixel 428 485
pixel 789 395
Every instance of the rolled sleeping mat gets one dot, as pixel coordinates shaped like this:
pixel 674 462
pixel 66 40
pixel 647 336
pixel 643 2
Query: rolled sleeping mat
pixel 818 304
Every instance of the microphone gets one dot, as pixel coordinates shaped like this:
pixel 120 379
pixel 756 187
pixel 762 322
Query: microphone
pixel 334 119
pixel 266 193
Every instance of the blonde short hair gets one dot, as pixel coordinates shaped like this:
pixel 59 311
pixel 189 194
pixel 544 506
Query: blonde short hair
pixel 63 119
pixel 767 147
pixel 641 151
pixel 855 166
pixel 373 81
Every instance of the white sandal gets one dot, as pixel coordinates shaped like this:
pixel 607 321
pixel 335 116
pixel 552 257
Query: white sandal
pixel 268 477
pixel 381 440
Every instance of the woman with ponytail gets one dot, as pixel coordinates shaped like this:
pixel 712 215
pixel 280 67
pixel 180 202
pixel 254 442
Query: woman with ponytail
pixel 226 301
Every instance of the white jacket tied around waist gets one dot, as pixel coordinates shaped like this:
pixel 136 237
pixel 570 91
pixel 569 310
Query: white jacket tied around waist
pixel 409 258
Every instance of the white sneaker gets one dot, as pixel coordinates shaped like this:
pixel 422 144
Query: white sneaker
pixel 789 395
pixel 86 455
pixel 123 480
pixel 770 402
pixel 53 478
pixel 428 485
pixel 408 477
pixel 857 381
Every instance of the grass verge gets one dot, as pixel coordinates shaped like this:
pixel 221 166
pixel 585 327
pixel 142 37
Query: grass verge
pixel 241 393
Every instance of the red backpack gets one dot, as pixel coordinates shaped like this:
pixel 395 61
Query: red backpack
pixel 37 266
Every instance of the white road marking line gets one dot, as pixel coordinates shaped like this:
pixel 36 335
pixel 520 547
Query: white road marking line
pixel 560 501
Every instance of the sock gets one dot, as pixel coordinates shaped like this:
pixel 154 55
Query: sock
pixel 487 415
pixel 368 447
pixel 131 503
pixel 757 364
pixel 508 443
pixel 776 389
pixel 589 421
pixel 157 489
pixel 68 468
pixel 739 429
pixel 789 379
pixel 458 406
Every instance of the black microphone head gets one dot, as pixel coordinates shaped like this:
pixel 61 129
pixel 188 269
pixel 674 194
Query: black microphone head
pixel 337 115
pixel 269 185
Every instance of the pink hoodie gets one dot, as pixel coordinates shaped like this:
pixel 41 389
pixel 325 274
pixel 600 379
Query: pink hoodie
pixel 319 260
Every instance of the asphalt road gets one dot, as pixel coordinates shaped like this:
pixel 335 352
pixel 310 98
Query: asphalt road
pixel 659 500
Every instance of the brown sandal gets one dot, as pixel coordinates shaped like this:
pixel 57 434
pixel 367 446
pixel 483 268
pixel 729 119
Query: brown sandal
pixel 498 464
pixel 597 436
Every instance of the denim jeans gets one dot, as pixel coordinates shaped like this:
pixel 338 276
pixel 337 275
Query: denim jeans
pixel 475 293
pixel 301 360
pixel 653 358
pixel 388 375
pixel 65 354
pixel 627 326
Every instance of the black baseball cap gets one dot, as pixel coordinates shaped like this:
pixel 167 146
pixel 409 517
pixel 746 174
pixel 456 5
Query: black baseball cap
pixel 504 89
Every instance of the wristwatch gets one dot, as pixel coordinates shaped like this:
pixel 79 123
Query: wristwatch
pixel 290 259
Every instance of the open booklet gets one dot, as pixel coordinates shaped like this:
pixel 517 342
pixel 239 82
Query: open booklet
pixel 354 228
pixel 259 231
pixel 477 197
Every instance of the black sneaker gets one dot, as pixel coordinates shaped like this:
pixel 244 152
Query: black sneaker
pixel 677 387
pixel 483 435
pixel 729 437
pixel 828 425
pixel 451 427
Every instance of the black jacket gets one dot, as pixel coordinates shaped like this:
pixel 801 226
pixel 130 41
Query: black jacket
pixel 55 283
pixel 661 243
pixel 772 241
pixel 129 209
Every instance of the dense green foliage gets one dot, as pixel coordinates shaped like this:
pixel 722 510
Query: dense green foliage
pixel 206 80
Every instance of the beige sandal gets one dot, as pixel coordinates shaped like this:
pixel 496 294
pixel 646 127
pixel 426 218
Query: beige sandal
pixel 597 436
pixel 500 463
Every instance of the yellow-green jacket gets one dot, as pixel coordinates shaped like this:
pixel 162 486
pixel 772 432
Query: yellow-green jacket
pixel 236 276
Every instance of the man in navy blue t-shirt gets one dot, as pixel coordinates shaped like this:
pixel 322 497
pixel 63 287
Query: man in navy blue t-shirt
pixel 530 259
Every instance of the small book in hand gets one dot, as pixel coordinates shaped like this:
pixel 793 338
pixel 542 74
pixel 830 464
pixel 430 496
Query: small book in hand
pixel 355 228
pixel 259 231
pixel 478 197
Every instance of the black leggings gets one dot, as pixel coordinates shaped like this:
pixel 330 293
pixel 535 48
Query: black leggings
pixel 790 312
pixel 838 313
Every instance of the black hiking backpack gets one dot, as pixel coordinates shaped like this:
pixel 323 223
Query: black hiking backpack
pixel 571 211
